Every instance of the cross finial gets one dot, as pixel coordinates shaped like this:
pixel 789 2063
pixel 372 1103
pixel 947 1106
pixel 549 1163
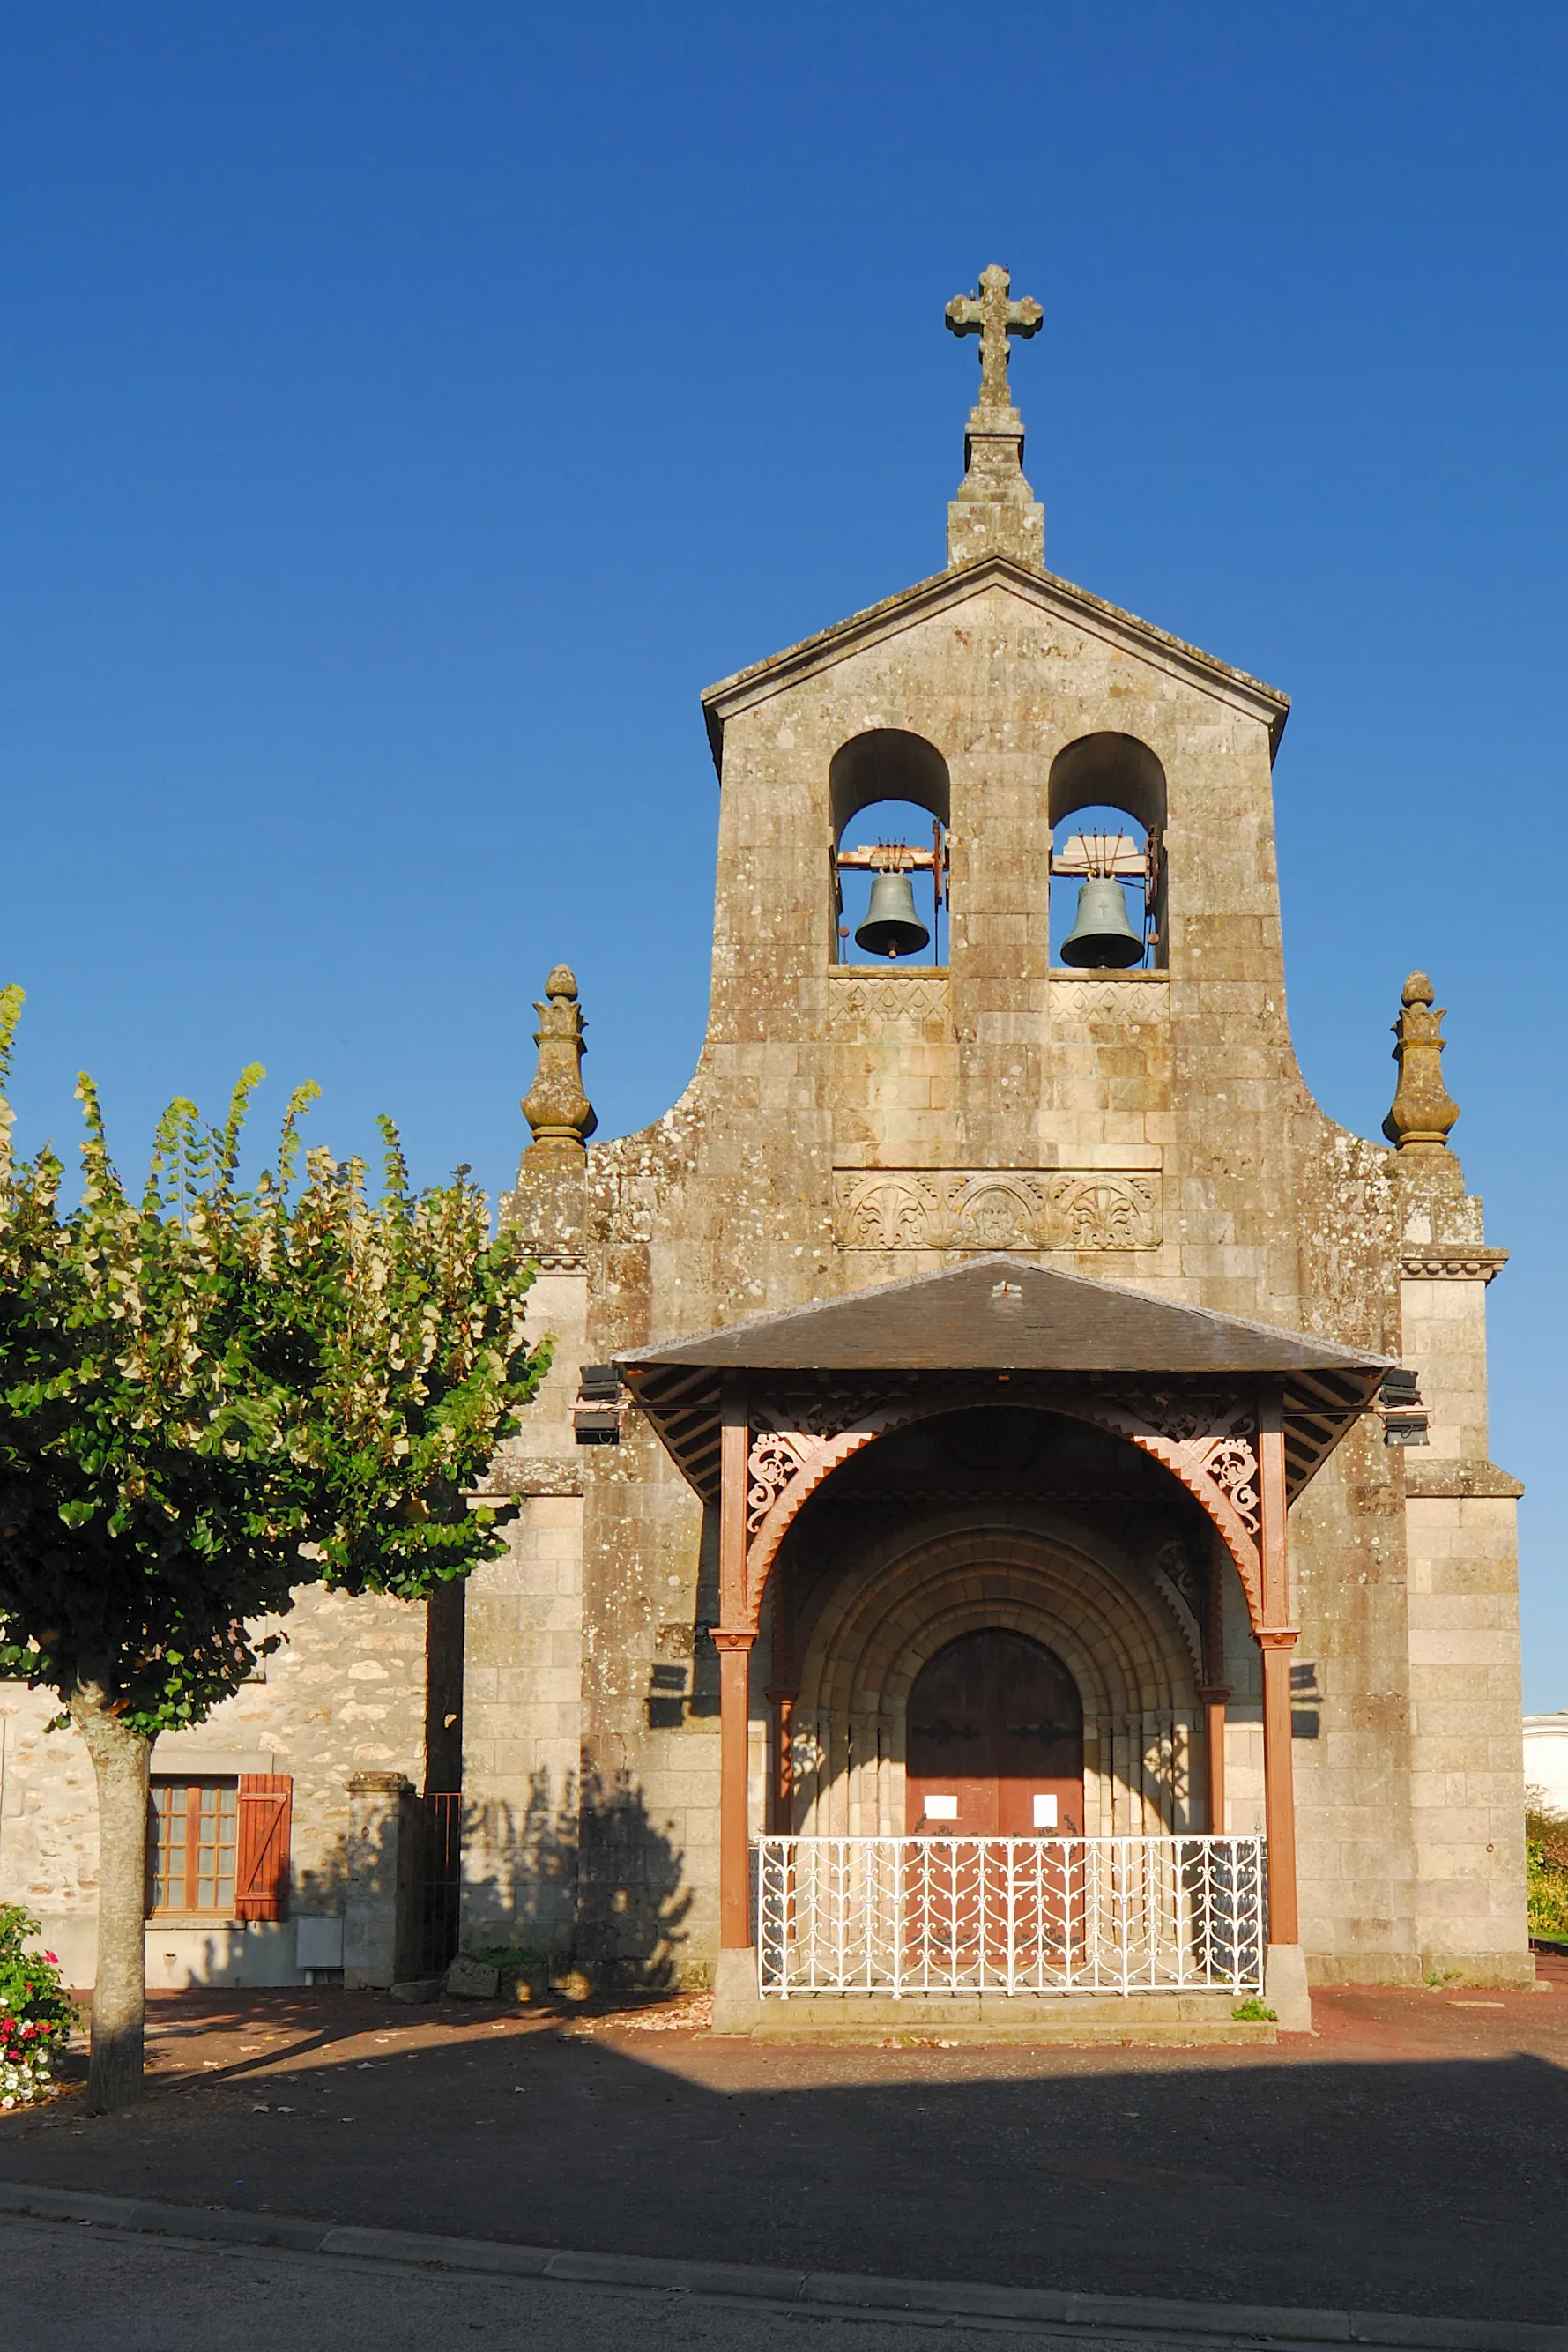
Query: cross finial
pixel 993 316
pixel 995 512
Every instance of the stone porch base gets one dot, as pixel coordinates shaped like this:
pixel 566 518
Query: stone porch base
pixel 1082 2021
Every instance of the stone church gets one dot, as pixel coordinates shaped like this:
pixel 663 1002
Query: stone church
pixel 1010 1520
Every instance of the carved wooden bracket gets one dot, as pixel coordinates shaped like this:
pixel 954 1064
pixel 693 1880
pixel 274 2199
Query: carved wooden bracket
pixel 1208 1442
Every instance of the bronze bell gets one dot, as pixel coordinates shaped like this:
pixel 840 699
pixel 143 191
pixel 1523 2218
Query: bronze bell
pixel 1102 939
pixel 892 927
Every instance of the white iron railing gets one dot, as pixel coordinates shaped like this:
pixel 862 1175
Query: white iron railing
pixel 957 1914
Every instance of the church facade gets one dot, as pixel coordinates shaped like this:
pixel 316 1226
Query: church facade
pixel 1012 1513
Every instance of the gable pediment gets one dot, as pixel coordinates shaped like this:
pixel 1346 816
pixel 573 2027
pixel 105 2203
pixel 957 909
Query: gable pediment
pixel 945 591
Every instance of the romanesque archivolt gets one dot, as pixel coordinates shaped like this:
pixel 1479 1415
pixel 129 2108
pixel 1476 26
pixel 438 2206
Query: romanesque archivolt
pixel 996 1208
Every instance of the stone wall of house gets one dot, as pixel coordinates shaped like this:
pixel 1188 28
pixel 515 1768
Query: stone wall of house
pixel 344 1695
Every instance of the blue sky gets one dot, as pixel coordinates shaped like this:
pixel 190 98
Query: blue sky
pixel 407 411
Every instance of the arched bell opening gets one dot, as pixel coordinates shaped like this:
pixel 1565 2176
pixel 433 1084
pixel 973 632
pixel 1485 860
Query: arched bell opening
pixel 889 802
pixel 1005 1520
pixel 1106 798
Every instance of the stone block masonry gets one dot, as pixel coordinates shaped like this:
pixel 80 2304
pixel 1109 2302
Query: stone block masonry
pixel 345 1695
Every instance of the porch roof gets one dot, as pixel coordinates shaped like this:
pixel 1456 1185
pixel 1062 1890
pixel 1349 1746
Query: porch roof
pixel 998 1314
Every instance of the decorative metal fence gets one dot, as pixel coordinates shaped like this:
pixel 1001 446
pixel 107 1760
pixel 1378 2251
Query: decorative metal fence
pixel 955 1915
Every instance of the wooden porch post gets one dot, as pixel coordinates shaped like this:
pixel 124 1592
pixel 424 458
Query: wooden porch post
pixel 1214 1754
pixel 1215 1691
pixel 1285 1972
pixel 732 1638
pixel 734 1830
pixel 781 1793
pixel 781 1697
pixel 1278 1790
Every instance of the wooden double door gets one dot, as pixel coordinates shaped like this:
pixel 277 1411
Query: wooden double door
pixel 995 1742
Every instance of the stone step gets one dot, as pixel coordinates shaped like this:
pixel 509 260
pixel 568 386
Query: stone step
pixel 1067 2033
pixel 1082 2019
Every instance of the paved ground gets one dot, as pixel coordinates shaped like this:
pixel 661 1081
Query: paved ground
pixel 159 2297
pixel 1412 2157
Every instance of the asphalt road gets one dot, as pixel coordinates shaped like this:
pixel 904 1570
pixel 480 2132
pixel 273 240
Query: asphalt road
pixel 70 2287
pixel 1413 2158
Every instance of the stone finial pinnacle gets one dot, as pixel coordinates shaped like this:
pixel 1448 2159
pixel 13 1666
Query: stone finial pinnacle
pixel 556 1108
pixel 995 512
pixel 1422 1109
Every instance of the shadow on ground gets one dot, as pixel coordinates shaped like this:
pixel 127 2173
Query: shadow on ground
pixel 1417 2183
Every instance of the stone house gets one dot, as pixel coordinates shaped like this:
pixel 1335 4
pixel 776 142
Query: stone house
pixel 994 1328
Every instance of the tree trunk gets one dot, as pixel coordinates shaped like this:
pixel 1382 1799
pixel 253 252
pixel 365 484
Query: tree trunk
pixel 120 1759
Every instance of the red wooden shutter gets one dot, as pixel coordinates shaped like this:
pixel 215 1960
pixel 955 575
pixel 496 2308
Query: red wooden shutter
pixel 261 1869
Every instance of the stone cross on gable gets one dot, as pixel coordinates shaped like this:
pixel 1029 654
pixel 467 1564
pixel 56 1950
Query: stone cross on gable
pixel 991 315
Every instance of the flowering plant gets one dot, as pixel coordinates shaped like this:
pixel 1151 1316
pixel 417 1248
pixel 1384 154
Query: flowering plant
pixel 35 2012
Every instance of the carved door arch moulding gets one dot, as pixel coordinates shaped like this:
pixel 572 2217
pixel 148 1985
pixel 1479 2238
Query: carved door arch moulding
pixel 1207 1440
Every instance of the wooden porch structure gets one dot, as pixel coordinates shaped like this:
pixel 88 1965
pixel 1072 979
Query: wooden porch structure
pixel 759 1415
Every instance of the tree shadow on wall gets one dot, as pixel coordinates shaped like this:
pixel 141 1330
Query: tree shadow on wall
pixel 584 1875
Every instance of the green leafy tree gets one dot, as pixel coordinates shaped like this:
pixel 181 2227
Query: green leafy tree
pixel 1546 1865
pixel 212 1395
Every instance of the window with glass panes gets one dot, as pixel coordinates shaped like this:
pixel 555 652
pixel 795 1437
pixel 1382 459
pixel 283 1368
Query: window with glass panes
pixel 198 1836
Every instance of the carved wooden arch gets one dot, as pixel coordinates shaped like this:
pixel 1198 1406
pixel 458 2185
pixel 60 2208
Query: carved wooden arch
pixel 1216 1465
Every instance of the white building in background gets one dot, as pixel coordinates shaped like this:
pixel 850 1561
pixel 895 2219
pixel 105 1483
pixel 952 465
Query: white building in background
pixel 1546 1755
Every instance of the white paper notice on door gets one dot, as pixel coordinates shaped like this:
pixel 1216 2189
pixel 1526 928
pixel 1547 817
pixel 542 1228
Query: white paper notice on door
pixel 1044 1812
pixel 942 1809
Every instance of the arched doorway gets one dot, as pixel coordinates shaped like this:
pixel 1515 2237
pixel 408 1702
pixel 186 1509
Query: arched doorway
pixel 994 1741
pixel 888 1603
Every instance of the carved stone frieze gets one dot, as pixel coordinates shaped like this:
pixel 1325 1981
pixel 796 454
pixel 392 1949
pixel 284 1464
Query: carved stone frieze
pixel 862 1004
pixel 997 1208
pixel 1132 997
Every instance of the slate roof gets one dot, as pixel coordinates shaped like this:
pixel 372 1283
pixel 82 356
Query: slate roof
pixel 1001 1314
pixel 965 1319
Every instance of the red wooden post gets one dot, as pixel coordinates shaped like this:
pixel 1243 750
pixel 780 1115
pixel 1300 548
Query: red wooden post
pixel 781 1806
pixel 1215 1690
pixel 732 1638
pixel 1278 1789
pixel 734 1832
pixel 1277 1639
pixel 782 1698
pixel 1214 1754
